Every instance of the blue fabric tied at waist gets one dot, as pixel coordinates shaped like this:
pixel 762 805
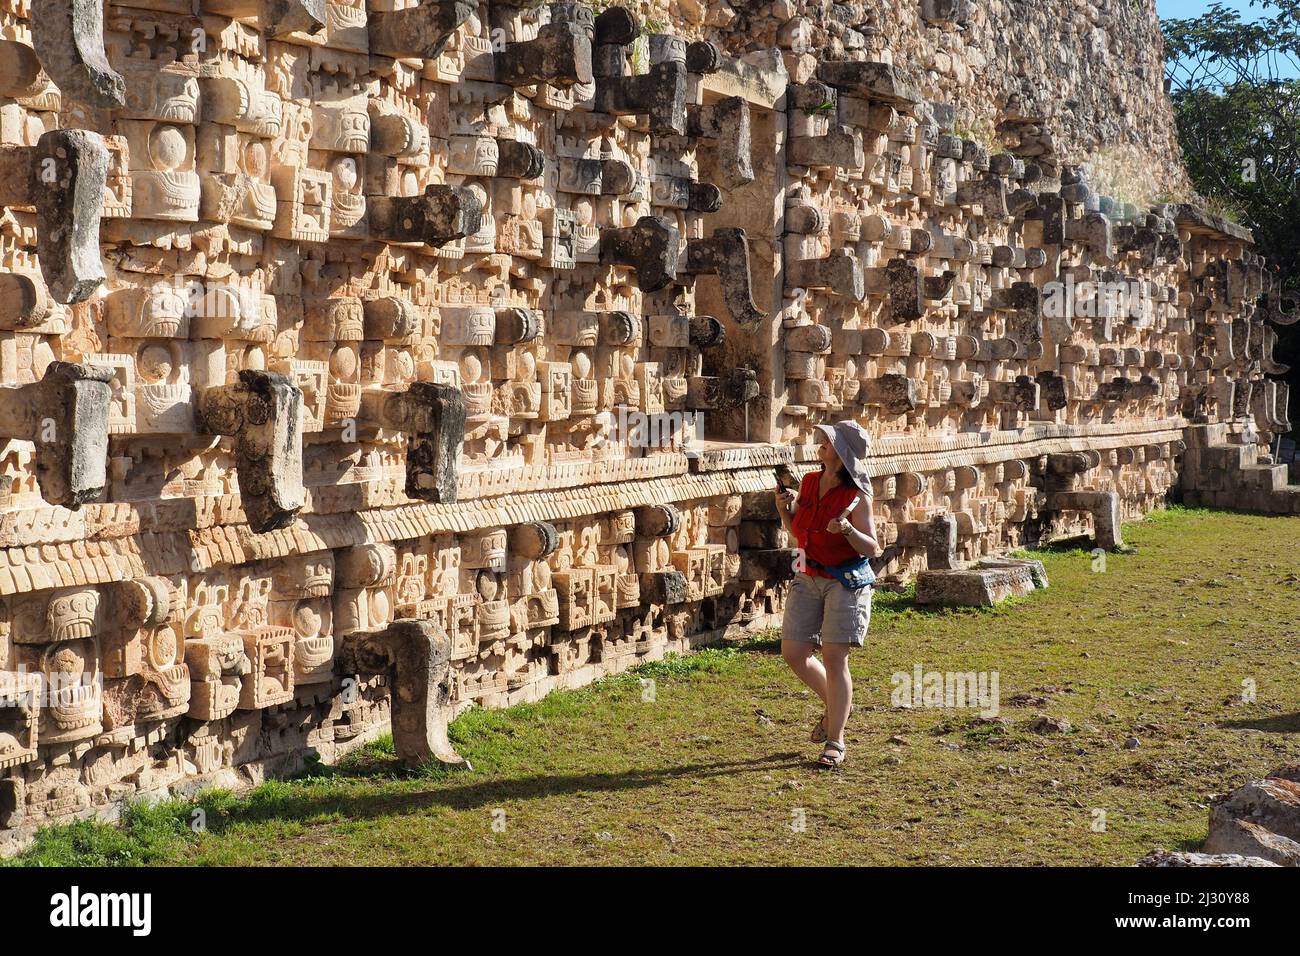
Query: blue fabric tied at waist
pixel 854 575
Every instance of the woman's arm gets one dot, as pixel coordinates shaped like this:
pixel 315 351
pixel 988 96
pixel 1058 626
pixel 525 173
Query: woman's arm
pixel 858 524
pixel 786 505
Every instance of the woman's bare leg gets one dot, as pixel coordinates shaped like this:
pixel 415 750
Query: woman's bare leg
pixel 799 655
pixel 839 689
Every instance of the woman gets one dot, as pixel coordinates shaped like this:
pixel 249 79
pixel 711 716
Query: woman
pixel 832 521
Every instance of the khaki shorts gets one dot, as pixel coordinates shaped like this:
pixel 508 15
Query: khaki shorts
pixel 823 610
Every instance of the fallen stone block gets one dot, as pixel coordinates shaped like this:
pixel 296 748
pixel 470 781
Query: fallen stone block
pixel 973 587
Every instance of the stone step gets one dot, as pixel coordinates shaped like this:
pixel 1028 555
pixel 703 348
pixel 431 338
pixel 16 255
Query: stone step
pixel 1285 500
pixel 1268 477
pixel 1229 457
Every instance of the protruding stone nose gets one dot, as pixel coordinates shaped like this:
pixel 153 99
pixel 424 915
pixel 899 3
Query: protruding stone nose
pixel 63 177
pixel 706 332
pixel 598 177
pixel 726 254
pixel 658 521
pixel 395 134
pixel 651 247
pixel 903 285
pixel 515 325
pixel 1054 389
pixel 895 393
pixel 659 95
pixel 616 26
pixel 433 417
pixel 68 36
pixel 559 55
pixel 262 412
pixel 65 415
pixel 518 160
pixel 441 215
pixel 416 657
pixel 840 272
pixel 840 147
pixel 1021 394
pixel 21 73
pixel 728 123
pixel 26 302
pixel 876 81
pixel 1102 505
pixel 732 389
pixel 703 57
pixel 421 31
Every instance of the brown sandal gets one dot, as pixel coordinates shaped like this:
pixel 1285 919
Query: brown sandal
pixel 832 755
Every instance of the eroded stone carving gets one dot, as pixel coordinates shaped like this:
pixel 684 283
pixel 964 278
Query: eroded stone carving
pixel 262 412
pixel 438 216
pixel 422 30
pixel 416 656
pixel 65 415
pixel 64 178
pixel 69 39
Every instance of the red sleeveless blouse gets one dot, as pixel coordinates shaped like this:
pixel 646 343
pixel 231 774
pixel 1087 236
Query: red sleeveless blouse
pixel 814 514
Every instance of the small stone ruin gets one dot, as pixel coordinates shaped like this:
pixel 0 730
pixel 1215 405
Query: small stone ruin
pixel 363 360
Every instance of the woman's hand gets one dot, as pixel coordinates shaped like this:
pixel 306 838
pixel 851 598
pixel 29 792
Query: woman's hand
pixel 842 525
pixel 785 499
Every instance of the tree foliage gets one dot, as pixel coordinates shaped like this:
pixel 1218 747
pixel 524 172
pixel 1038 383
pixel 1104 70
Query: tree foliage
pixel 1235 88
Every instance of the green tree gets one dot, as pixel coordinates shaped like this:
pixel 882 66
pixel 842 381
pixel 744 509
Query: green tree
pixel 1235 88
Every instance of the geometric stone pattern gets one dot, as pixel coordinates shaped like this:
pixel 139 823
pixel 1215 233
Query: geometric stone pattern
pixel 351 349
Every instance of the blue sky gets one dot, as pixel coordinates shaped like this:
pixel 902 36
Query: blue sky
pixel 1184 9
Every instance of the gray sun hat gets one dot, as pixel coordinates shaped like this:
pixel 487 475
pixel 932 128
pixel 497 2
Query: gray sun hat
pixel 852 443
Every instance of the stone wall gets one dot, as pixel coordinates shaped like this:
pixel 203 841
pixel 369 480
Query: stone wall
pixel 368 356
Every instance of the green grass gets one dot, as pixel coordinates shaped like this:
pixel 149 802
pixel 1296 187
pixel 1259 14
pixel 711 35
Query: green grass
pixel 717 766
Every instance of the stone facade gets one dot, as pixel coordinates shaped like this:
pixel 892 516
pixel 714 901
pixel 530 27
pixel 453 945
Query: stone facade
pixel 368 355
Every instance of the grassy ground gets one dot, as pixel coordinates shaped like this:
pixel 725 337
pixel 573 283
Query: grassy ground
pixel 1146 660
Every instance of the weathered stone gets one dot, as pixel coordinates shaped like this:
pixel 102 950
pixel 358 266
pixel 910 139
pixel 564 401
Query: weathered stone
pixel 726 255
pixel 416 658
pixel 651 247
pixel 420 31
pixel 727 121
pixel 1182 858
pixel 68 36
pixel 519 160
pixel 840 273
pixel 560 54
pixel 438 216
pixel 659 95
pixel 433 417
pixel 878 81
pixel 262 412
pixel 65 415
pixel 63 177
pixel 972 587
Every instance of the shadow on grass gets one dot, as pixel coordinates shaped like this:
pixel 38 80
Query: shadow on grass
pixel 1283 724
pixel 301 802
